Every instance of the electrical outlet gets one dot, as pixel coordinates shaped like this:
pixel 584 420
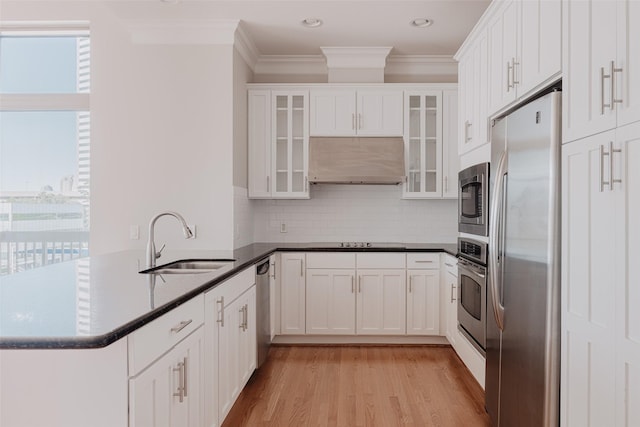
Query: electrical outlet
pixel 192 227
pixel 283 227
pixel 134 232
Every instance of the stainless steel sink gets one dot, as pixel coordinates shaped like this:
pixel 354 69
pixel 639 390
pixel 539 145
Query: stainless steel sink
pixel 190 266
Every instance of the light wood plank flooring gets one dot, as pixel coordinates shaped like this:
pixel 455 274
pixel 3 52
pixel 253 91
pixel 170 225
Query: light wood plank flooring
pixel 360 386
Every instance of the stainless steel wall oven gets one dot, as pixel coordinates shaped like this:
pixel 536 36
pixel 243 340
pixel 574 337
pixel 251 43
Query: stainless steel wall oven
pixel 473 202
pixel 472 291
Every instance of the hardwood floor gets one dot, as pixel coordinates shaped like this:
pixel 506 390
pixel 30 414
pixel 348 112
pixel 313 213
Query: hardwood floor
pixel 360 386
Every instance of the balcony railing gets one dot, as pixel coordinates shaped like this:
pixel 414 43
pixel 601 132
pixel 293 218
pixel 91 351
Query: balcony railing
pixel 24 250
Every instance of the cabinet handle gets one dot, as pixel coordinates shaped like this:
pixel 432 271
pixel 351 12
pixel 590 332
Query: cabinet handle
pixel 353 121
pixel 180 326
pixel 423 261
pixel 448 265
pixel 514 72
pixel 509 71
pixel 273 264
pixel 301 268
pixel 410 277
pixel 453 288
pixel 242 316
pixel 185 377
pixel 603 76
pixel 360 284
pixel 306 183
pixel 614 70
pixel 359 121
pixel 268 186
pixel 246 317
pixel 352 287
pixel 180 392
pixel 221 319
pixel 467 124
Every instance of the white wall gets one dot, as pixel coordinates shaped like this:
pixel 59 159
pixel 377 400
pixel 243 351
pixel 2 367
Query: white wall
pixel 373 213
pixel 161 135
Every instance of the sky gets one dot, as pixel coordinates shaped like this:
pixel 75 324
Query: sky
pixel 37 148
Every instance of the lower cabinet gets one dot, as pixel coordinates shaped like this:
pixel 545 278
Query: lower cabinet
pixel 169 392
pixel 331 301
pixel 292 298
pixel 423 302
pixel 230 328
pixel 381 302
pixel 451 298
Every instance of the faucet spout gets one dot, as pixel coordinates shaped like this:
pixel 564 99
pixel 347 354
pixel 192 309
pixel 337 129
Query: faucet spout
pixel 152 255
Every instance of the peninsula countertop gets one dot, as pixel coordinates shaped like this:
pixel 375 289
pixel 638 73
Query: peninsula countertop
pixel 92 302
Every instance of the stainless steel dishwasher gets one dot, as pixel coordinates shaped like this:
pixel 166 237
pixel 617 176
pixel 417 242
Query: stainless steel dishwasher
pixel 263 311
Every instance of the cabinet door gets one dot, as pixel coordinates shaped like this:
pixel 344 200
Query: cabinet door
pixel 628 78
pixel 228 357
pixel 423 145
pixel 247 341
pixel 273 295
pixel 292 294
pixel 628 276
pixel 589 261
pixel 169 392
pixel 290 160
pixel 423 302
pixel 259 152
pixel 473 90
pixel 332 113
pixel 589 38
pixel 503 56
pixel 381 302
pixel 450 158
pixel 331 301
pixel 379 113
pixel 451 290
pixel 540 23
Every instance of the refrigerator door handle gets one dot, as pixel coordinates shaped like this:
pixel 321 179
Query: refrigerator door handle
pixel 494 227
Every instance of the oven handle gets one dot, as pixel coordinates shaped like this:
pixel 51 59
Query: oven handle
pixel 494 226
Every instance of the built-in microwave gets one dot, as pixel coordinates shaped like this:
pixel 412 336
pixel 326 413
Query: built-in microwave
pixel 473 200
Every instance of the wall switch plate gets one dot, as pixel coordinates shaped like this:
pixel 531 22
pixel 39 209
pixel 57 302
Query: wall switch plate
pixel 192 227
pixel 134 232
pixel 283 227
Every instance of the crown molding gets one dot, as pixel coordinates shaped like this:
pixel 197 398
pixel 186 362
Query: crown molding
pixel 421 65
pixel 356 57
pixel 246 47
pixel 291 64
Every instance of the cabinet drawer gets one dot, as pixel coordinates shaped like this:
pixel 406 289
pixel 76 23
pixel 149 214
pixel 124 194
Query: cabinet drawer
pixel 451 265
pixel 381 260
pixel 235 286
pixel 154 339
pixel 331 260
pixel 428 260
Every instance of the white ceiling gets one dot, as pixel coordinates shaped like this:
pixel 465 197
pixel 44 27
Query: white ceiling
pixel 275 26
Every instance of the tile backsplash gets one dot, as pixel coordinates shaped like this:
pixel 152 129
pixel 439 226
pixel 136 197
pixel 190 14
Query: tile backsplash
pixel 374 213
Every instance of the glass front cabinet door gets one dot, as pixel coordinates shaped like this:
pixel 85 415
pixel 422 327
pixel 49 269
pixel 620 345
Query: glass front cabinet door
pixel 423 144
pixel 290 147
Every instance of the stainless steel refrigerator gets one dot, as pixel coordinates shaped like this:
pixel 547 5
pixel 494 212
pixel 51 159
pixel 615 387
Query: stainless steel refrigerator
pixel 523 314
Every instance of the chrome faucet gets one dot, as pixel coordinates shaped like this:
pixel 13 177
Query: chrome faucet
pixel 152 255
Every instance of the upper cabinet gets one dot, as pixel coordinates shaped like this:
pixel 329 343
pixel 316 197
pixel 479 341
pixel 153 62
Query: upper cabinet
pixel 362 112
pixel 430 136
pixel 278 144
pixel 601 87
pixel 472 94
pixel 524 49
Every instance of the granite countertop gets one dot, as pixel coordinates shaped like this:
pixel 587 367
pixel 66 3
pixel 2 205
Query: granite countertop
pixel 92 302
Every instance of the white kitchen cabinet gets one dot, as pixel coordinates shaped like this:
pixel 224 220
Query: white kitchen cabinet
pixel 450 288
pixel 423 144
pixel 331 301
pixel 450 158
pixel 423 302
pixel 601 66
pixel 292 293
pixel 273 295
pixel 349 112
pixel 230 343
pixel 431 144
pixel 278 135
pixel 600 361
pixel 381 302
pixel 473 94
pixel 169 391
pixel 524 52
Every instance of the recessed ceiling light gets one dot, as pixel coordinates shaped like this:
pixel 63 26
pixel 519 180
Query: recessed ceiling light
pixel 312 22
pixel 421 22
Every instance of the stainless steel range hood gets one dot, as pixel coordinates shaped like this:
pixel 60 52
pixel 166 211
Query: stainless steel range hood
pixel 358 160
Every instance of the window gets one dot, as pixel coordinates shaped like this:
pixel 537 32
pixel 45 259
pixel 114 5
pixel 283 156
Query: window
pixel 44 146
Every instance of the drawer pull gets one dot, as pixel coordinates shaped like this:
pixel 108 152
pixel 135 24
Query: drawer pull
pixel 424 261
pixel 221 319
pixel 448 265
pixel 180 326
